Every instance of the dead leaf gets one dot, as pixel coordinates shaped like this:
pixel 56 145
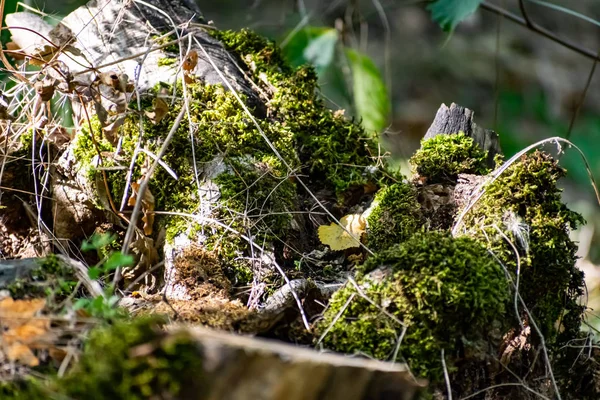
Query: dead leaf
pixel 45 88
pixel 21 330
pixel 190 61
pixel 61 35
pixel 147 206
pixel 337 238
pixel 161 108
pixel 111 130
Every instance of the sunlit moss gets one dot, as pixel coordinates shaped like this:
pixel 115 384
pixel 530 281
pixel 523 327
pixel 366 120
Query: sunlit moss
pixel 336 152
pixel 523 206
pixel 395 216
pixel 446 292
pixel 441 158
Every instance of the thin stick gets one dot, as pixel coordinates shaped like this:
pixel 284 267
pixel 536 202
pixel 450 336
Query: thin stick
pixel 541 31
pixel 446 377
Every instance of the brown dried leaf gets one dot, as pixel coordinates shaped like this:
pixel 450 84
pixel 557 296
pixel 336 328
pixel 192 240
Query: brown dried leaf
pixel 21 330
pixel 190 61
pixel 110 78
pixel 61 35
pixel 45 88
pixel 22 354
pixel 147 206
pixel 22 309
pixel 161 108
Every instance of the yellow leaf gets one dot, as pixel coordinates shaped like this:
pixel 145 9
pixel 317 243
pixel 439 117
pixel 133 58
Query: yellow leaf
pixel 338 238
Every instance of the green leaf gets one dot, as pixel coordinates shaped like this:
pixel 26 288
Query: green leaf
pixel 370 95
pixel 94 272
pixel 98 241
pixel 117 259
pixel 81 303
pixel 449 13
pixel 312 45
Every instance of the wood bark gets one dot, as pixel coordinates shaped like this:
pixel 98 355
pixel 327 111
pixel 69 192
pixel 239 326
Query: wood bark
pixel 244 368
pixel 454 119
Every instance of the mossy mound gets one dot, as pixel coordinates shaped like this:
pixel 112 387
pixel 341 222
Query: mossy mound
pixel 335 152
pixel 394 218
pixel 130 360
pixel 445 291
pixel 523 206
pixel 52 279
pixel 227 168
pixel 441 158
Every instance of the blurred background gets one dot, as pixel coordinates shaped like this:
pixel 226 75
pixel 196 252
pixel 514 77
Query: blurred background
pixel 523 85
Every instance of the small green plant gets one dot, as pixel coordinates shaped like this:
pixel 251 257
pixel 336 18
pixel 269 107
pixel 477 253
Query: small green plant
pixel 111 259
pixel 103 306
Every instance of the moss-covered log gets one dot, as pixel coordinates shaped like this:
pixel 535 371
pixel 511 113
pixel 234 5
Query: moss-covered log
pixel 207 155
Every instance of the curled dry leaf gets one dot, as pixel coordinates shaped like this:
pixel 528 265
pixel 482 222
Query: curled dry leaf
pixel 337 238
pixel 189 63
pixel 22 331
pixel 161 108
pixel 35 37
pixel 147 206
pixel 45 88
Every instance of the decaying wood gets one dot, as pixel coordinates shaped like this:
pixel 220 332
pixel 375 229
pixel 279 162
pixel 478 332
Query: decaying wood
pixel 456 119
pixel 120 33
pixel 244 368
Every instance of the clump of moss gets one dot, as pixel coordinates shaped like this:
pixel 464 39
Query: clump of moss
pixel 445 291
pixel 252 181
pixel 524 205
pixel 336 152
pixel 23 389
pixel 395 216
pixel 135 360
pixel 441 158
pixel 129 360
pixel 52 279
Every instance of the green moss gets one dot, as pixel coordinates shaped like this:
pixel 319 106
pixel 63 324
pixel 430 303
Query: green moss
pixel 165 61
pixel 129 360
pixel 446 291
pixel 135 360
pixel 163 40
pixel 86 146
pixel 395 216
pixel 335 152
pixel 524 203
pixel 52 279
pixel 257 193
pixel 24 389
pixel 441 158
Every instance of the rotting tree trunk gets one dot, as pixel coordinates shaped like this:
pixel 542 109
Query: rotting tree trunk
pixel 242 368
pixel 198 285
pixel 121 59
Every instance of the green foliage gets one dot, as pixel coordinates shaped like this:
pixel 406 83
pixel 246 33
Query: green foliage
pixel 312 45
pixel 525 204
pixel 441 158
pixel 370 94
pixel 102 307
pixel 23 389
pixel 135 360
pixel 449 13
pixel 111 259
pixel 395 216
pixel 446 291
